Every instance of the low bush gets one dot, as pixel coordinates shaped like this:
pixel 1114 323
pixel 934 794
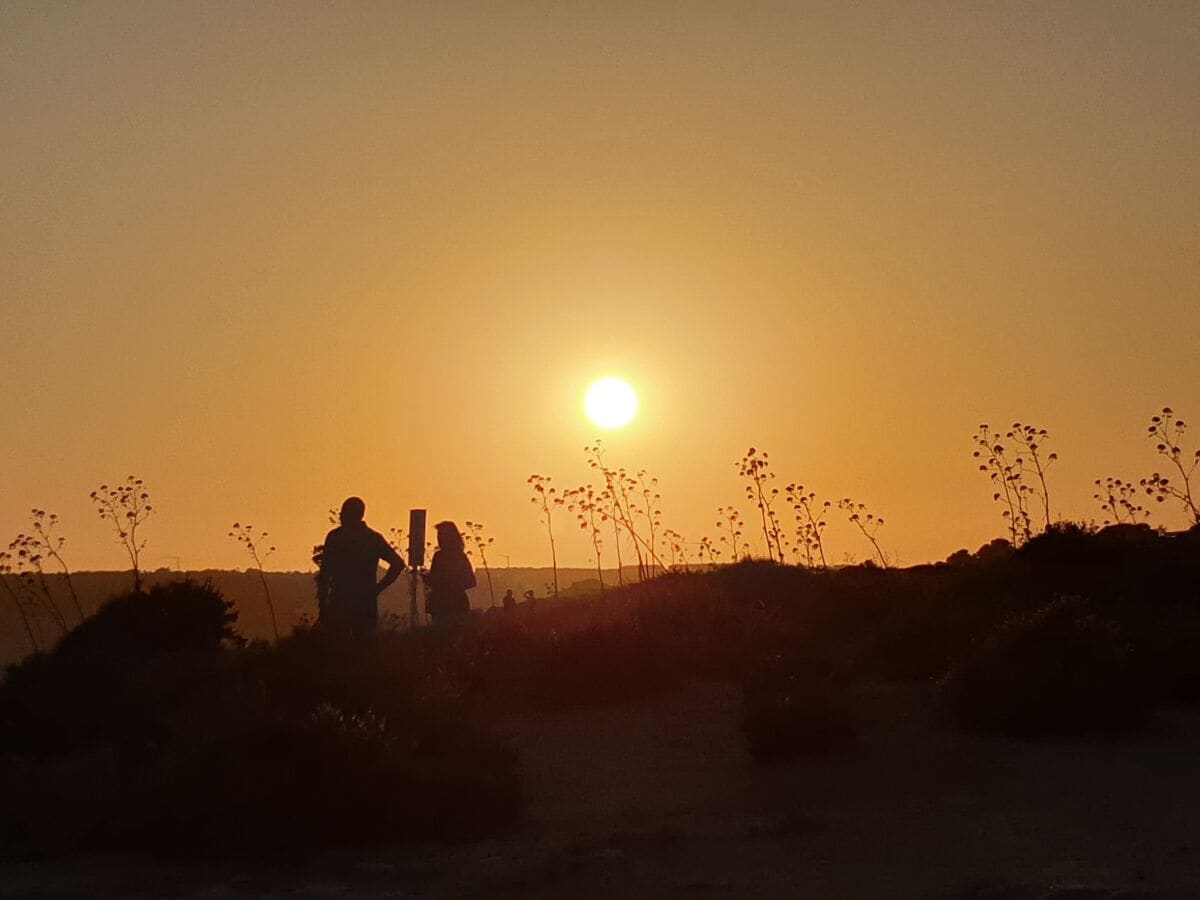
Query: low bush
pixel 250 778
pixel 117 674
pixel 603 664
pixel 1167 639
pixel 791 710
pixel 242 777
pixel 1059 670
pixel 197 743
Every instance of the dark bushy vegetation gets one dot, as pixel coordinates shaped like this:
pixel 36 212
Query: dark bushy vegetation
pixel 250 776
pixel 793 709
pixel 115 674
pixel 600 664
pixel 1060 669
pixel 152 726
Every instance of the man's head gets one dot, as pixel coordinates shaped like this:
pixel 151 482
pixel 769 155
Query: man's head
pixel 353 511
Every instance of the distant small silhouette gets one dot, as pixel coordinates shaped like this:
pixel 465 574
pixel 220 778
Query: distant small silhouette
pixel 347 592
pixel 449 578
pixel 510 602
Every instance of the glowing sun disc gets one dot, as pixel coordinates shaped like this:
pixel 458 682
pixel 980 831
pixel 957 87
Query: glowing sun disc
pixel 610 403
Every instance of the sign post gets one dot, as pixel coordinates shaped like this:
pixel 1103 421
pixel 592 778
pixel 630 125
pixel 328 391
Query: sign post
pixel 416 559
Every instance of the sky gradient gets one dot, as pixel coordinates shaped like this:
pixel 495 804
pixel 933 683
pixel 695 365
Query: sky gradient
pixel 265 256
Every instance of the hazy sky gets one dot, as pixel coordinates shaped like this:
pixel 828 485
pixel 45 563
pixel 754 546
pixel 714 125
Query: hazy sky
pixel 267 255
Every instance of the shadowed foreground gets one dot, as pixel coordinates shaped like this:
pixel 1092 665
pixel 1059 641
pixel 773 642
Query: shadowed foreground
pixel 1011 724
pixel 660 798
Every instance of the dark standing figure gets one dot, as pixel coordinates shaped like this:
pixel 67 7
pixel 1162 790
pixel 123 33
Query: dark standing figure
pixel 347 592
pixel 449 578
pixel 510 602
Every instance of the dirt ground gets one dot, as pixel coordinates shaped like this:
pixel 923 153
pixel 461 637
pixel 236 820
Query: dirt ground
pixel 661 799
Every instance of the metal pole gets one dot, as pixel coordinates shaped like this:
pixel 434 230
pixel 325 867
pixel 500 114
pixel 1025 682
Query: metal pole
pixel 416 559
pixel 412 600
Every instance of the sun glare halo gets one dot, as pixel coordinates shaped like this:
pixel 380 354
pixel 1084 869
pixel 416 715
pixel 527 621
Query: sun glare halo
pixel 610 402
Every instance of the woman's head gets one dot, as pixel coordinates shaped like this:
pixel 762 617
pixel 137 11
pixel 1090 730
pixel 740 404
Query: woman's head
pixel 448 536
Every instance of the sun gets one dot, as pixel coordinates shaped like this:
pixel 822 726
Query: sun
pixel 610 402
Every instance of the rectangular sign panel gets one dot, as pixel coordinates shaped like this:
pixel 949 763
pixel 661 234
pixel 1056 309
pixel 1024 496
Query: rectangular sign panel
pixel 416 538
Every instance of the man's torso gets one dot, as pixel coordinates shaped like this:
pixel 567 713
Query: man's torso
pixel 351 561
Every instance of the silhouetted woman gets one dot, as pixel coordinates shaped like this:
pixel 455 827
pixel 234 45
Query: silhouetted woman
pixel 449 578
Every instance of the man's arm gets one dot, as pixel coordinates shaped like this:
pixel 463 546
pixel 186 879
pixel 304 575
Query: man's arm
pixel 395 566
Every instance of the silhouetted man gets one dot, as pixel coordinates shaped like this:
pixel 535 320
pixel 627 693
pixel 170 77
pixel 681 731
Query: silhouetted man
pixel 347 593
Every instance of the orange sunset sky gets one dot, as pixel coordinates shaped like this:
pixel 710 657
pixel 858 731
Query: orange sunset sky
pixel 268 255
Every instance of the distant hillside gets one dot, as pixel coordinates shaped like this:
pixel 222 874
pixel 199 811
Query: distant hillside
pixel 294 595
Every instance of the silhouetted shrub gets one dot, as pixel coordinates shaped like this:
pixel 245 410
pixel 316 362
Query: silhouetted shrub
pixel 1058 670
pixel 309 743
pixel 790 710
pixel 117 674
pixel 995 551
pixel 961 557
pixel 182 616
pixel 1062 543
pixel 602 664
pixel 758 581
pixel 1167 639
pixel 248 777
pixel 1136 536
